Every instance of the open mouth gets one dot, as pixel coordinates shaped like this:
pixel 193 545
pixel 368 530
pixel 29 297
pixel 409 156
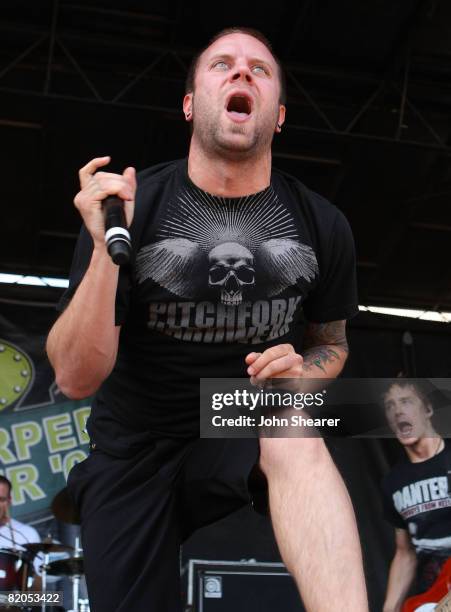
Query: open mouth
pixel 239 107
pixel 404 428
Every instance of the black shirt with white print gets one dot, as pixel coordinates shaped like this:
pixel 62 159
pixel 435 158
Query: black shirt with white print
pixel 212 279
pixel 416 498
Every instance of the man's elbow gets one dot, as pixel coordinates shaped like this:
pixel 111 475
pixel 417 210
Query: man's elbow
pixel 411 555
pixel 81 382
pixel 341 354
pixel 71 385
pixel 76 390
pixel 79 378
pixel 407 556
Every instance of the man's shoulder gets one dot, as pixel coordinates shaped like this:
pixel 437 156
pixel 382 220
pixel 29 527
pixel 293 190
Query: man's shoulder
pixel 307 196
pixel 27 531
pixel 159 172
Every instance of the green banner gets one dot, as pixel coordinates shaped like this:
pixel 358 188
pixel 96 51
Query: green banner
pixel 42 433
pixel 38 448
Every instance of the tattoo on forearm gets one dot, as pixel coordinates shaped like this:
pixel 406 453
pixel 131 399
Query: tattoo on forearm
pixel 324 343
pixel 319 356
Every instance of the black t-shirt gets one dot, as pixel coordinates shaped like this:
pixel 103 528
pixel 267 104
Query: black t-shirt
pixel 212 279
pixel 416 498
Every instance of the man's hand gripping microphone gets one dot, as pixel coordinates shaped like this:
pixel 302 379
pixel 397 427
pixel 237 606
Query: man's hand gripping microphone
pixel 117 236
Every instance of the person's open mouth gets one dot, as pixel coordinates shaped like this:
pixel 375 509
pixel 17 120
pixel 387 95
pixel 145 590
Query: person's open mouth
pixel 239 107
pixel 404 429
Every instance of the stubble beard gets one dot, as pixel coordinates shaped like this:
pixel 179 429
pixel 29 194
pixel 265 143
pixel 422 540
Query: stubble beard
pixel 216 138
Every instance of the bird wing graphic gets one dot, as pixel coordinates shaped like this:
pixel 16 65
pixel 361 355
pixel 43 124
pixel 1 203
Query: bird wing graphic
pixel 172 263
pixel 285 260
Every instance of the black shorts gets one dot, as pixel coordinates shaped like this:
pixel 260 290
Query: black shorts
pixel 137 511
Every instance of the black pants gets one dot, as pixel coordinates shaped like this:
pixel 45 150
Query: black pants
pixel 137 511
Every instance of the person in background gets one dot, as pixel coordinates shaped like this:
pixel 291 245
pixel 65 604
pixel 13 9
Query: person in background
pixel 13 533
pixel 416 494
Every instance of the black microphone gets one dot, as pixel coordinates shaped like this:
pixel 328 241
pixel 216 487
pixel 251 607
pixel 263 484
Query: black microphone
pixel 117 236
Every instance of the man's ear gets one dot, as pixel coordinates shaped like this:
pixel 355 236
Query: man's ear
pixel 429 410
pixel 280 118
pixel 188 106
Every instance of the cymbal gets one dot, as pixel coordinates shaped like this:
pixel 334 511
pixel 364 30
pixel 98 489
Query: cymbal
pixel 46 547
pixel 66 567
pixel 63 508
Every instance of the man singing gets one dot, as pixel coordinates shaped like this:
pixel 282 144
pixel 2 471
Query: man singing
pixel 417 499
pixel 228 253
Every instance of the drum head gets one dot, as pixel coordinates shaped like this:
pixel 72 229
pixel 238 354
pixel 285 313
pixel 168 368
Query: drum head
pixel 13 570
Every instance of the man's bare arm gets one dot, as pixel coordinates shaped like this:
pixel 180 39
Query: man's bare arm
pixel 324 357
pixel 402 572
pixel 326 349
pixel 82 345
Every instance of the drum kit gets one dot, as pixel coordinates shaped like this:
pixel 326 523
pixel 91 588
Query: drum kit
pixel 17 573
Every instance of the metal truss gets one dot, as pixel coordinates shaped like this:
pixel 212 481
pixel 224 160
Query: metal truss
pixel 394 83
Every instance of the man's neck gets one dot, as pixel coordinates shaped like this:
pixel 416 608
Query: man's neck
pixel 226 177
pixel 425 448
